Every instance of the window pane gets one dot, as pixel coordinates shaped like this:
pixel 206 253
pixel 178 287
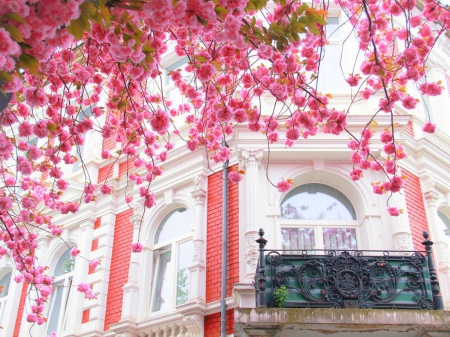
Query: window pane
pixel 4 284
pixel 163 283
pixel 330 73
pixel 298 238
pixel 55 307
pixel 333 27
pixel 185 252
pixel 317 202
pixel 179 221
pixel 339 238
pixel 65 264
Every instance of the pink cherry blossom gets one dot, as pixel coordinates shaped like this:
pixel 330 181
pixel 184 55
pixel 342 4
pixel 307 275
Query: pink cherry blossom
pixel 429 127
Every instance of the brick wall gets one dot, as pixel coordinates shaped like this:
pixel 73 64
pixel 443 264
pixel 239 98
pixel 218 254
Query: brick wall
pixel 212 324
pixel 123 235
pixel 416 209
pixel 86 314
pixel 23 297
pixel 214 249
pixel 409 129
pixel 105 172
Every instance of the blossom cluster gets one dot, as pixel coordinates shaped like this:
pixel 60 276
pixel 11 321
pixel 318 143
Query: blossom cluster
pixel 235 58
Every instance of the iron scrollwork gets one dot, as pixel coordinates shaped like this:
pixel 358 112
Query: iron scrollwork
pixel 349 279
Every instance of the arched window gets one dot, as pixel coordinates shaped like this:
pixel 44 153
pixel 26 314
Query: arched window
pixel 5 281
pixel 317 216
pixel 62 285
pixel 173 252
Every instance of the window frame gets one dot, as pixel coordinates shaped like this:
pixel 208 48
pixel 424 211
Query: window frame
pixel 163 247
pixel 66 281
pixel 319 225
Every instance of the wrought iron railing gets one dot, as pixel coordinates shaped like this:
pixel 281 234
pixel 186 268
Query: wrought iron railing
pixel 348 279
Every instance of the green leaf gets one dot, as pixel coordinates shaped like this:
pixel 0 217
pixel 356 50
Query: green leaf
pixel 199 58
pixel 106 14
pixel 88 8
pixel 253 23
pixel 302 8
pixel 5 76
pixel 15 17
pixel 149 58
pixel 29 62
pixel 77 27
pixel 147 48
pixel 13 31
pixel 221 10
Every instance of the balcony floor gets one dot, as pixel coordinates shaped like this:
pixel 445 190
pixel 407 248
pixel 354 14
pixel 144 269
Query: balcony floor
pixel 282 322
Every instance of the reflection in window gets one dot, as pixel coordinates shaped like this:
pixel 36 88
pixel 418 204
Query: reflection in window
pixel 317 202
pixel 5 281
pixel 298 238
pixel 61 290
pixel 306 213
pixel 339 238
pixel 173 252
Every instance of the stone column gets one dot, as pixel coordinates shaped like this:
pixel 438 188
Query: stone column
pixel 131 288
pixel 441 251
pixel 251 160
pixel 80 273
pixel 401 230
pixel 197 276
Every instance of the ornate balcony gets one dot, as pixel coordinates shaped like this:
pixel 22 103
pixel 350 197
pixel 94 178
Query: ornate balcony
pixel 342 293
pixel 348 279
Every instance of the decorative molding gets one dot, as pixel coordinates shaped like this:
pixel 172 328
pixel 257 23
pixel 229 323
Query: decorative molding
pixel 249 157
pixel 199 196
pixel 138 212
pixel 251 253
pixel 194 325
pixel 198 251
pixel 133 273
pixel 402 241
pixel 443 253
pixel 431 197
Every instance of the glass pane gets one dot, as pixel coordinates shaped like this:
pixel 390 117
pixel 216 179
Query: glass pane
pixel 317 202
pixel 4 284
pixel 65 264
pixel 333 27
pixel 179 221
pixel 55 307
pixel 330 73
pixel 339 238
pixel 163 283
pixel 298 238
pixel 185 252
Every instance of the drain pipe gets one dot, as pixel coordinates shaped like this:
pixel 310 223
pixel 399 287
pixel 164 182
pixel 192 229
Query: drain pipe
pixel 223 305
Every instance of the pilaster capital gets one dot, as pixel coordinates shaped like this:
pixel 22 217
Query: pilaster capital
pixel 431 198
pixel 199 196
pixel 249 157
pixel 199 193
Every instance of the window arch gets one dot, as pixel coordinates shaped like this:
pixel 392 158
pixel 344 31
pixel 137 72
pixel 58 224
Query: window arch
pixel 173 251
pixel 317 216
pixel 62 285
